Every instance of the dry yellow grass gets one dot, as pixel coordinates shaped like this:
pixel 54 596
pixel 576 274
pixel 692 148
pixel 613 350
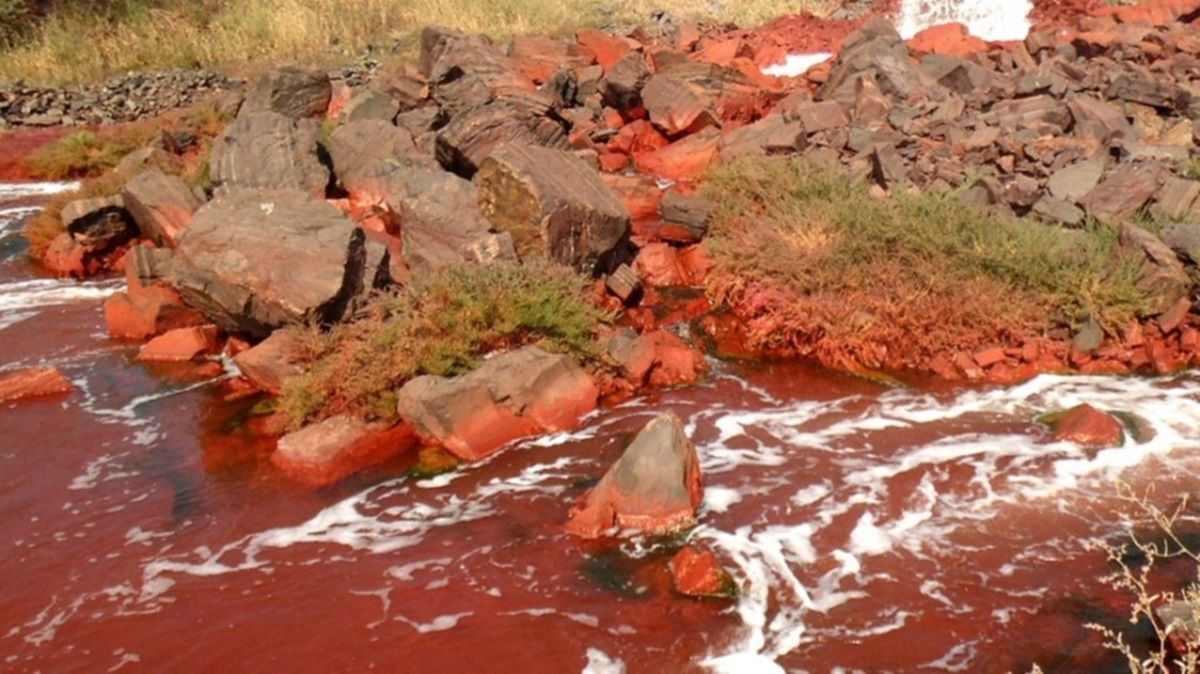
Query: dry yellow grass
pixel 79 45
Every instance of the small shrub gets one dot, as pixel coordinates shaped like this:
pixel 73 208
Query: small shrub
pixel 87 154
pixel 825 270
pixel 1139 579
pixel 438 325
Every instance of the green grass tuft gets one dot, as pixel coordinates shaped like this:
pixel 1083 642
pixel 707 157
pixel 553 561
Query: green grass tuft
pixel 822 261
pixel 439 325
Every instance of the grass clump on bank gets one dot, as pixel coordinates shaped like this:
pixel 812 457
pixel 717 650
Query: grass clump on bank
pixel 90 153
pixel 822 269
pixel 85 41
pixel 439 325
pixel 93 155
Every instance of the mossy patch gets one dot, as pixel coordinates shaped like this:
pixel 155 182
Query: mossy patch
pixel 818 267
pixel 439 325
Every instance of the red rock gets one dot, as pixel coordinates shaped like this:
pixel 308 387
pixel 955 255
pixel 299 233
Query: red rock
pixel 685 159
pixel 657 358
pixel 1089 428
pixel 510 396
pixel 1171 320
pixel 696 572
pixel 613 162
pixel 990 357
pixel 640 194
pixel 658 264
pixel 145 313
pixel 723 52
pixel 949 39
pixel 271 362
pixel 676 107
pixel 611 119
pixel 326 452
pixel 968 367
pixel 538 57
pixel 607 48
pixel 32 382
pixel 64 257
pixel 181 345
pixel 696 263
pixel 636 137
pixel 1153 12
pixel 655 487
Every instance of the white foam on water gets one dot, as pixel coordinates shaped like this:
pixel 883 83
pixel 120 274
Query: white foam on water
pixel 600 662
pixel 795 65
pixel 20 300
pixel 775 561
pixel 994 20
pixel 438 624
pixel 10 191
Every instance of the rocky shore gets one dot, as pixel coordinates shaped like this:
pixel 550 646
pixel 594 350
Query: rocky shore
pixel 590 154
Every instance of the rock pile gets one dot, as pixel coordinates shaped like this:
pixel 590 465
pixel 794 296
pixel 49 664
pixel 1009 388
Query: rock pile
pixel 118 99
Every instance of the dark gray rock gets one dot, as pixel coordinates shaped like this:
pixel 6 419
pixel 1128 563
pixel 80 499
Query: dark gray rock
pixel 290 91
pixel 255 261
pixel 267 150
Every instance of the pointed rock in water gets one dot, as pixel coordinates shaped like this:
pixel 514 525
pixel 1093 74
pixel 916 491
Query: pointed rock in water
pixel 654 487
pixel 1087 427
pixel 32 382
pixel 326 452
pixel 696 572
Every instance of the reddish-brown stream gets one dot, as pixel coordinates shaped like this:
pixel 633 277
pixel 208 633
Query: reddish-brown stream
pixel 870 529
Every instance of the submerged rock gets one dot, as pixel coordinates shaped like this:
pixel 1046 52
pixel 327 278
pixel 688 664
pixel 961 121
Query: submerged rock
pixel 510 396
pixel 696 572
pixel 32 382
pixel 326 452
pixel 654 487
pixel 1087 427
pixel 181 345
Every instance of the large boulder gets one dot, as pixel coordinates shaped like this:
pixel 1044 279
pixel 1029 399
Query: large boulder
pixel 326 452
pixel 353 147
pixel 161 205
pixel 441 225
pixel 552 203
pixel 473 135
pixel 370 104
pixel 654 487
pixel 256 261
pixel 290 91
pixel 510 396
pixel 267 150
pixel 876 50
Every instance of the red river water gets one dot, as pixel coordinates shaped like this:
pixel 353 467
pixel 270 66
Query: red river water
pixel 870 529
